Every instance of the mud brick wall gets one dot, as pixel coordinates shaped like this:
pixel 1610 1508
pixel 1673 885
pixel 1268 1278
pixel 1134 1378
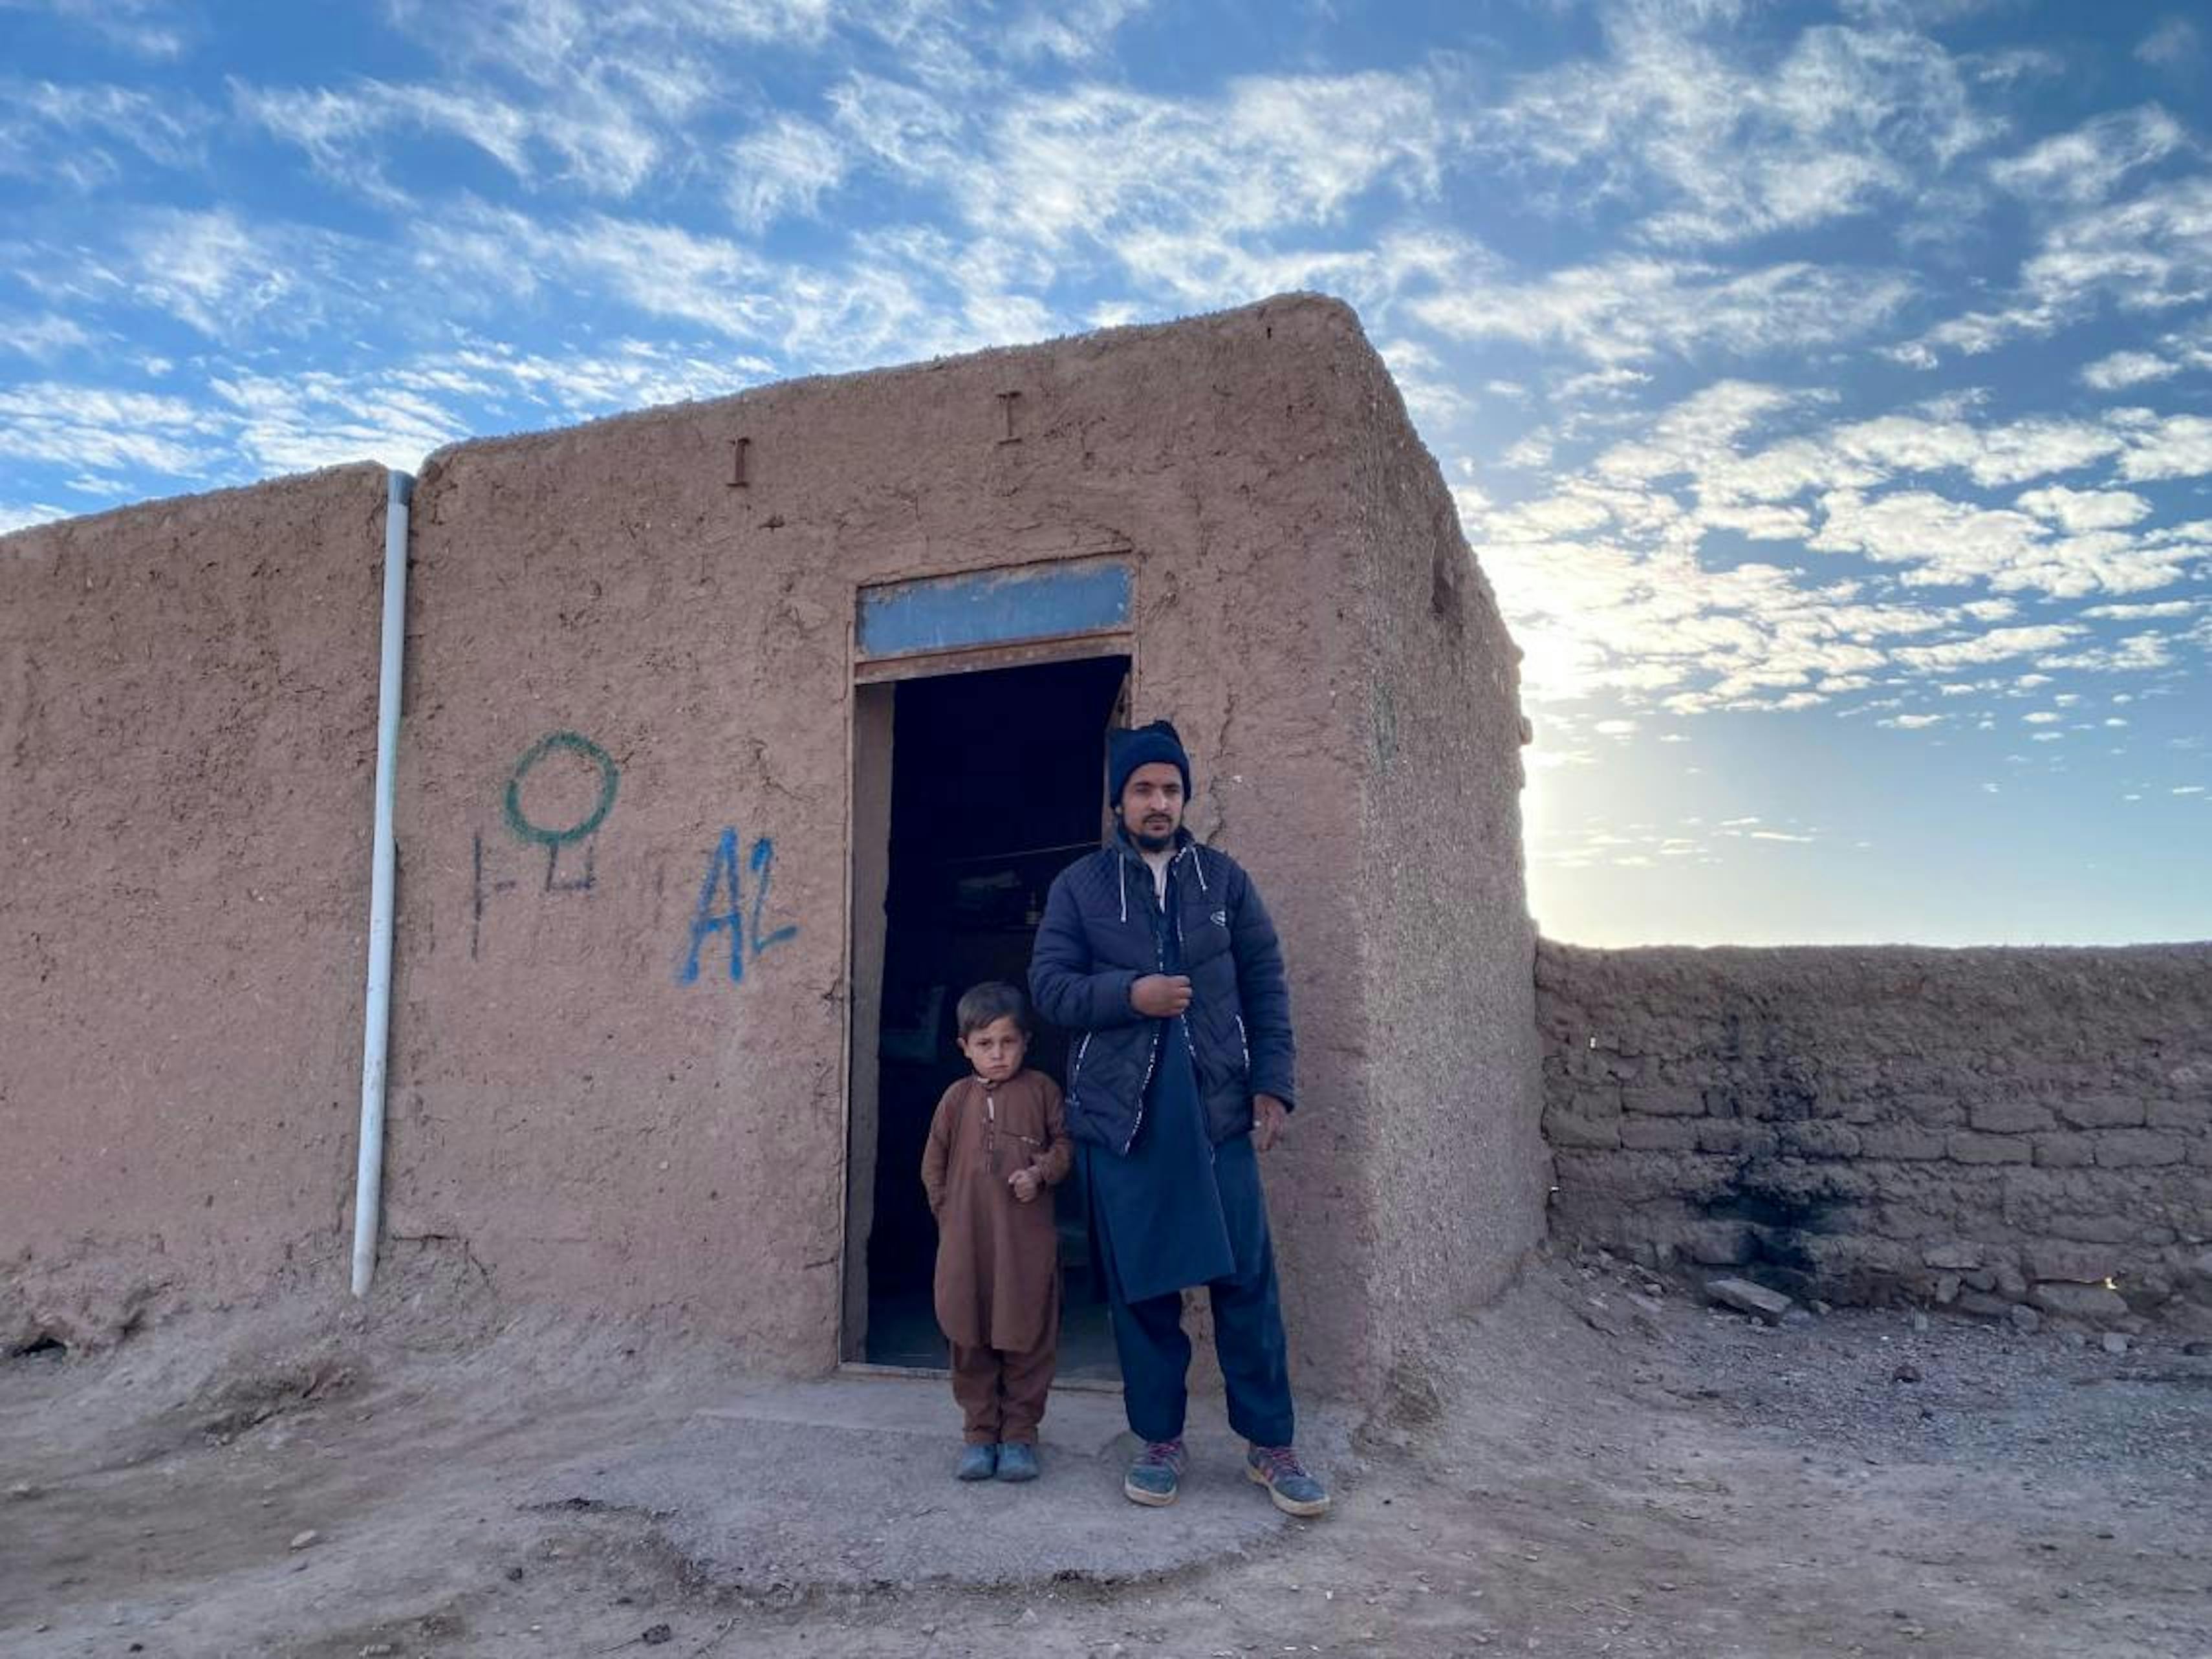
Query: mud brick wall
pixel 187 750
pixel 1447 948
pixel 621 1102
pixel 1984 1127
pixel 627 793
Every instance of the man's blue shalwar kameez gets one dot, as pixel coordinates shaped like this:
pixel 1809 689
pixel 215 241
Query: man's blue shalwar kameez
pixel 1177 1212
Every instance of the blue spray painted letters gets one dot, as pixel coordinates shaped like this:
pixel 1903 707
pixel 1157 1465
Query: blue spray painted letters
pixel 722 908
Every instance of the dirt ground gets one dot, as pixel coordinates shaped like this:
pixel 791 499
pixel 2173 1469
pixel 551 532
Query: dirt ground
pixel 1570 1473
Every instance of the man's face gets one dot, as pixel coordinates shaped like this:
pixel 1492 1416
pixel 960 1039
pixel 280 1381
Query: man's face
pixel 1151 806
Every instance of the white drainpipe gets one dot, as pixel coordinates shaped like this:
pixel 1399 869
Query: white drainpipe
pixel 368 1178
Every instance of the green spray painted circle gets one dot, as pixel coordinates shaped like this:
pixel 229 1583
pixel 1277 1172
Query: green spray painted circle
pixel 575 743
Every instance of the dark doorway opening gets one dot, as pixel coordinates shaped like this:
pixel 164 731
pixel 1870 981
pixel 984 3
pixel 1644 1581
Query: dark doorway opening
pixel 996 782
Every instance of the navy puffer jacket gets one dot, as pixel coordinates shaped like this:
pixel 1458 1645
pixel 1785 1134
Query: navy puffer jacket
pixel 1101 933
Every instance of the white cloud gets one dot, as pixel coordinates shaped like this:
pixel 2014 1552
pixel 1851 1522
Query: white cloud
pixel 888 299
pixel 2009 453
pixel 1995 646
pixel 2083 165
pixel 1728 148
pixel 296 422
pixel 41 337
pixel 2175 43
pixel 154 29
pixel 1941 541
pixel 76 135
pixel 2172 446
pixel 2144 612
pixel 2183 351
pixel 600 96
pixel 1627 310
pixel 2149 253
pixel 23 515
pixel 2127 368
pixel 220 273
pixel 95 428
pixel 1098 160
pixel 1423 381
pixel 2137 654
pixel 344 133
pixel 2085 509
pixel 1073 30
pixel 548 41
pixel 785 167
pixel 1605 578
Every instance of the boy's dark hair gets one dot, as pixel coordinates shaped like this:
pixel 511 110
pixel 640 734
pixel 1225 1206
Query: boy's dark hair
pixel 994 1000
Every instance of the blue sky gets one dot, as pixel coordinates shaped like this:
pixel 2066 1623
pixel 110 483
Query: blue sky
pixel 1827 389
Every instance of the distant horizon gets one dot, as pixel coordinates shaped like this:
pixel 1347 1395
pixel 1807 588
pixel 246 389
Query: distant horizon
pixel 1826 389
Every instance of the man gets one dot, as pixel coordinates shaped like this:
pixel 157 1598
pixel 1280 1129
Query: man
pixel 1158 958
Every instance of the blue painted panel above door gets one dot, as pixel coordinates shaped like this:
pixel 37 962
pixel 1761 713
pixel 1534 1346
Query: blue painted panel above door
pixel 994 607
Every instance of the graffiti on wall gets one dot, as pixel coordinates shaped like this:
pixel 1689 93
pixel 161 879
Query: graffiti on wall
pixel 584 828
pixel 736 902
pixel 577 841
pixel 724 908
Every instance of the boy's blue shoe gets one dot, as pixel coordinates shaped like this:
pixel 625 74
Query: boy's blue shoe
pixel 1153 1478
pixel 1016 1461
pixel 976 1463
pixel 1277 1469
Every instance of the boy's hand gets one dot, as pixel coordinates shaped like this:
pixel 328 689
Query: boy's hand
pixel 1161 996
pixel 1026 1184
pixel 1269 1118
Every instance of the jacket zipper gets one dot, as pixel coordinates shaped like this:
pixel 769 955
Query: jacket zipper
pixel 1213 1151
pixel 1075 1071
pixel 1152 1058
pixel 1243 1043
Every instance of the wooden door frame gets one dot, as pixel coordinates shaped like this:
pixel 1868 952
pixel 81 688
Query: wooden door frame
pixel 871 758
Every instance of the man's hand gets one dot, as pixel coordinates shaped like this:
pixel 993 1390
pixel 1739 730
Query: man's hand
pixel 1270 1117
pixel 1026 1184
pixel 1161 996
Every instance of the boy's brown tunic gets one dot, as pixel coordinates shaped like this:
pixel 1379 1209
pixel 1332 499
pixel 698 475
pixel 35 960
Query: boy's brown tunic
pixel 998 1259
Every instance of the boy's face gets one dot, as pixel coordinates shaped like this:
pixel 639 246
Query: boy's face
pixel 996 1050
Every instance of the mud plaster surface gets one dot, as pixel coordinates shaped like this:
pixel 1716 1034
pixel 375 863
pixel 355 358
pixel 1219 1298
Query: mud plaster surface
pixel 619 1036
pixel 1446 1046
pixel 187 708
pixel 1694 1487
pixel 606 1128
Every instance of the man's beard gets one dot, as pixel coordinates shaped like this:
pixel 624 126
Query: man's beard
pixel 1152 843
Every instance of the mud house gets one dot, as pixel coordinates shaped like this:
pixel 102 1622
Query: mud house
pixel 738 737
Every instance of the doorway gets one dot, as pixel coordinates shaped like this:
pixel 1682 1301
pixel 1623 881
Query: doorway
pixel 972 791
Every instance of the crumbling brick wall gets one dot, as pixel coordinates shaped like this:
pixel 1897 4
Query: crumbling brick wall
pixel 1990 1128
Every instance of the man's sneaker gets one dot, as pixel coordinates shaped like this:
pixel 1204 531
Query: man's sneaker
pixel 1153 1478
pixel 1277 1469
pixel 1016 1461
pixel 976 1463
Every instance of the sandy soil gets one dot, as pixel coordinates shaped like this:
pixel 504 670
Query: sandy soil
pixel 1568 1473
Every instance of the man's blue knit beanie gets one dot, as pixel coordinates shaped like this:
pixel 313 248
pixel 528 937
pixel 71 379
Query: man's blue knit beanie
pixel 1128 751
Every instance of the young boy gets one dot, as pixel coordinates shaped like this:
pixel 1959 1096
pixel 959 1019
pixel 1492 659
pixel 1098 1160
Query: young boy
pixel 998 1141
